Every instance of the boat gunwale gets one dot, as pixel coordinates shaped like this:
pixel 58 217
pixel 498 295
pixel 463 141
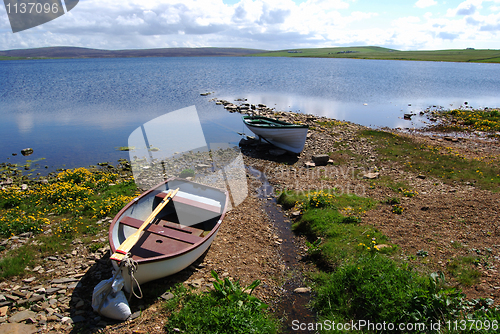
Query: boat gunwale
pixel 281 124
pixel 170 255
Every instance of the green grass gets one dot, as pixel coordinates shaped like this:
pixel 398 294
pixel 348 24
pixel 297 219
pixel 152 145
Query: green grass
pixel 66 207
pixel 464 270
pixel 378 289
pixel 444 163
pixel 14 263
pixel 356 276
pixel 11 58
pixel 335 220
pixel 226 309
pixel 374 52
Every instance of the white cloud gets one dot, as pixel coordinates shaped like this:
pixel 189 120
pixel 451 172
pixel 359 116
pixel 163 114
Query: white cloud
pixel 425 3
pixel 465 8
pixel 266 24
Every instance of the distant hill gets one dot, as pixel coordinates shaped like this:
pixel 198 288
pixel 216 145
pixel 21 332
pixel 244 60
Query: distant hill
pixel 376 52
pixel 76 52
pixel 358 52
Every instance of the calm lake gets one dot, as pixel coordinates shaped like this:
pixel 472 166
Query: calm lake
pixel 77 112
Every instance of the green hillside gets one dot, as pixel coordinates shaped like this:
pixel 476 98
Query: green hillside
pixel 374 52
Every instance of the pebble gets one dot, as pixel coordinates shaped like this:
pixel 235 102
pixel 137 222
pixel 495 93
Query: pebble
pixel 371 176
pixel 302 290
pixel 29 280
pixel 167 296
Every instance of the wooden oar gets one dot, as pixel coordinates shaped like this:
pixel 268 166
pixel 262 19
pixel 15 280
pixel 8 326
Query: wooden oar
pixel 127 245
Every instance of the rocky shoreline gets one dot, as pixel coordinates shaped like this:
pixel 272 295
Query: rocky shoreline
pixel 56 296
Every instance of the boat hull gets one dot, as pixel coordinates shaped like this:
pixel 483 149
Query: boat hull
pixel 287 136
pixel 150 271
pixel 182 232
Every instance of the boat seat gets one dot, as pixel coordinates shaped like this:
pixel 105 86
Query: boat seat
pixel 168 229
pixel 194 201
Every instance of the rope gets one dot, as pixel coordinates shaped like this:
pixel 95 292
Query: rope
pixel 132 268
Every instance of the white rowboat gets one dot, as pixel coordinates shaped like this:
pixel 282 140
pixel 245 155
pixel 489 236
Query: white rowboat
pixel 182 231
pixel 290 137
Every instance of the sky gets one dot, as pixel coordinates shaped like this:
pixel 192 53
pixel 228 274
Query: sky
pixel 266 24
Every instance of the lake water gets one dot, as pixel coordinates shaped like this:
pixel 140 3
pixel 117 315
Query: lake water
pixel 76 112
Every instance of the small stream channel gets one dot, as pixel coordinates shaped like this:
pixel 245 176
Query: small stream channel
pixel 292 305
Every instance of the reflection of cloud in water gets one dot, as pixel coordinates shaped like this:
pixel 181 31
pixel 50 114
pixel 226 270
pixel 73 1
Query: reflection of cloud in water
pixel 376 114
pixel 25 122
pixel 304 104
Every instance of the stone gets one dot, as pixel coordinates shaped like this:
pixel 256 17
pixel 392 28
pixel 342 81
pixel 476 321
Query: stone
pixel 50 291
pixel 22 316
pixel 7 181
pixel 16 328
pixel 77 319
pixel 35 298
pixel 197 283
pixel 302 290
pixel 167 296
pixel 64 280
pixel 36 308
pixel 371 176
pixel 27 151
pixel 201 166
pixel 66 320
pixel 134 315
pixel 247 142
pixel 52 318
pixel 19 294
pixel 11 297
pixel 422 177
pixel 320 159
pixel 3 311
pixel 29 280
pixel 310 164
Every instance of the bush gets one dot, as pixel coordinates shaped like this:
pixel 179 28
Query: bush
pixel 227 309
pixel 186 173
pixel 376 288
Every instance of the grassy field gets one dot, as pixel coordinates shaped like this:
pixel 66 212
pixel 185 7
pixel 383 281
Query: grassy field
pixel 446 163
pixel 374 52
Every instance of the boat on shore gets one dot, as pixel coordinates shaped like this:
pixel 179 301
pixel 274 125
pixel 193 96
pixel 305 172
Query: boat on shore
pixel 288 136
pixel 180 233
